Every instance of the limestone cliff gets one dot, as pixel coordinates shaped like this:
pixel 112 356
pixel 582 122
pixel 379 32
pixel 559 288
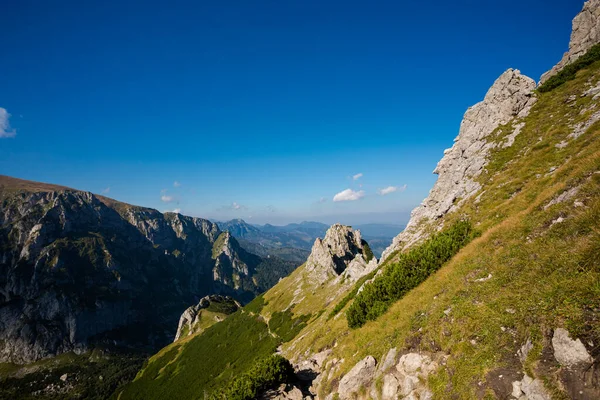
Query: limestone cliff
pixel 585 34
pixel 509 99
pixel 79 270
pixel 342 252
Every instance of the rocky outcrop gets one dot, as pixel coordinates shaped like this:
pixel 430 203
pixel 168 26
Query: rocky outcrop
pixel 585 34
pixel 569 352
pixel 191 317
pixel 509 98
pixel 79 271
pixel 341 253
pixel 357 378
pixel 395 378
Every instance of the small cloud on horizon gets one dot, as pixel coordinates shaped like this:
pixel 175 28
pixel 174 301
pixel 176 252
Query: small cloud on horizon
pixel 177 211
pixel 105 191
pixel 349 195
pixel 176 184
pixel 391 189
pixel 357 176
pixel 322 200
pixel 167 199
pixel 5 129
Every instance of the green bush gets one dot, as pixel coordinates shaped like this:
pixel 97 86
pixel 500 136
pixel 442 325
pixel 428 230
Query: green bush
pixel 409 271
pixel 569 72
pixel 340 306
pixel 266 374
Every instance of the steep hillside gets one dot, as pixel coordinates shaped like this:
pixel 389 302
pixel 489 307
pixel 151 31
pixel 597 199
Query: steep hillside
pixel 230 348
pixel 492 291
pixel 80 271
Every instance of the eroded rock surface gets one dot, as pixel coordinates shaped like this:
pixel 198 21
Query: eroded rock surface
pixel 189 320
pixel 585 34
pixel 509 98
pixel 342 252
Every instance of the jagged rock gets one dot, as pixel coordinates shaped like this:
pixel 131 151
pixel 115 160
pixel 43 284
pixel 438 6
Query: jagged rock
pixel 585 34
pixel 523 352
pixel 284 392
pixel 359 377
pixel 341 252
pixel 76 267
pixel 531 389
pixel 510 97
pixel 569 352
pixel 191 316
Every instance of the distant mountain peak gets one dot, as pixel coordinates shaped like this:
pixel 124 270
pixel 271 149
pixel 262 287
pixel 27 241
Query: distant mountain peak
pixel 341 252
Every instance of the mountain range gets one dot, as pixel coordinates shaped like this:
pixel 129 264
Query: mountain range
pixel 492 290
pixel 294 241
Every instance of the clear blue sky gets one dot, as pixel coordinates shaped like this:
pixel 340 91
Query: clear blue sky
pixel 262 109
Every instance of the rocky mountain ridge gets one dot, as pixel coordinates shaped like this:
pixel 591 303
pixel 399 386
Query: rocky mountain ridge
pixel 80 270
pixel 508 101
pixel 342 252
pixel 584 35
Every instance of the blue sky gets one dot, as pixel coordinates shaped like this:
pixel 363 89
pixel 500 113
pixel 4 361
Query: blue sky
pixel 261 110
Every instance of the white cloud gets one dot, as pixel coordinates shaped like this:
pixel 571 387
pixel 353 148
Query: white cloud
pixel 176 184
pixel 322 200
pixel 349 195
pixel 357 176
pixel 167 199
pixel 391 189
pixel 236 206
pixel 105 191
pixel 5 130
pixel 177 210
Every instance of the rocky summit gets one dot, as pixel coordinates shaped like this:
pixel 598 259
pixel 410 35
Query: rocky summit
pixel 509 100
pixel 342 252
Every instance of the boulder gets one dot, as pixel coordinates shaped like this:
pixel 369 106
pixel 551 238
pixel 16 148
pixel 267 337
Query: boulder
pixel 359 377
pixel 569 352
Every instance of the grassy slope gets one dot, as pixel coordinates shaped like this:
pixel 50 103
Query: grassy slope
pixel 545 275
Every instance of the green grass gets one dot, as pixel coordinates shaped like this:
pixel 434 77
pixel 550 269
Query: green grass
pixel 569 72
pixel 408 271
pixel 350 296
pixel 201 364
pixel 284 325
pixel 266 374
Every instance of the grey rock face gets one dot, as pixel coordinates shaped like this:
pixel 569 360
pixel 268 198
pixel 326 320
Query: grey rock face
pixel 569 352
pixel 403 378
pixel 191 316
pixel 358 377
pixel 79 271
pixel 530 389
pixel 585 34
pixel 341 252
pixel 509 98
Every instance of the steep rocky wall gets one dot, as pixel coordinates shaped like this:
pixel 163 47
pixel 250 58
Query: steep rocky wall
pixel 77 270
pixel 342 252
pixel 585 34
pixel 509 99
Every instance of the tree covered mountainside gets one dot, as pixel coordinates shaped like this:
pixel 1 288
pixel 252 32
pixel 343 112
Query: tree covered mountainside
pixel 492 291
